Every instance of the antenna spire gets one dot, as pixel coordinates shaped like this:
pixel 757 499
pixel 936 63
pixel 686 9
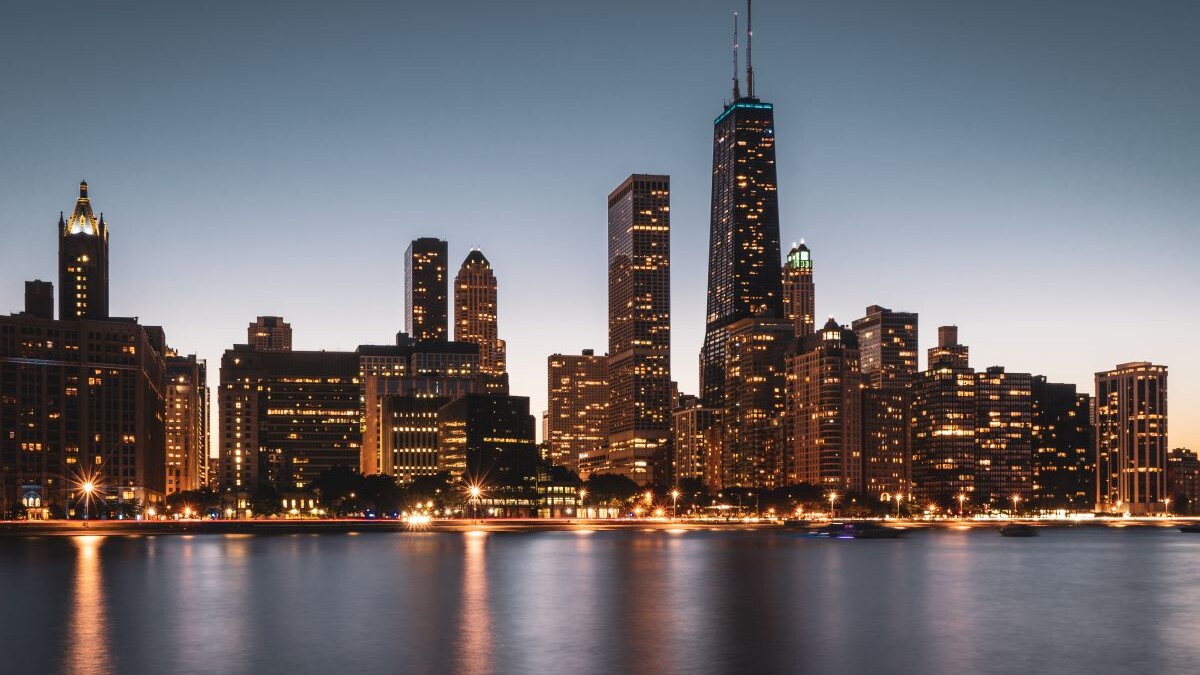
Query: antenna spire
pixel 749 55
pixel 737 93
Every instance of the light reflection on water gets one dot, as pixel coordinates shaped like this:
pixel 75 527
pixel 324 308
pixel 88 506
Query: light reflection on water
pixel 940 603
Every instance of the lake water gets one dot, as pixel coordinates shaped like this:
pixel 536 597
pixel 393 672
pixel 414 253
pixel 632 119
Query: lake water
pixel 1087 600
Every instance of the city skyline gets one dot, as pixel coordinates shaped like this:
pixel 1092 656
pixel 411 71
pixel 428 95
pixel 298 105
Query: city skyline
pixel 205 318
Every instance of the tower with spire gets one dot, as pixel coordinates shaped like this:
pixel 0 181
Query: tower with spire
pixel 744 272
pixel 799 293
pixel 82 262
pixel 475 318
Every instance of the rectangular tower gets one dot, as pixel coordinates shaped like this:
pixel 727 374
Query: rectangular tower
pixel 425 297
pixel 1003 438
pixel 1131 438
pixel 187 428
pixel 577 407
pixel 270 334
pixel 943 424
pixel 83 262
pixel 639 328
pixel 1064 462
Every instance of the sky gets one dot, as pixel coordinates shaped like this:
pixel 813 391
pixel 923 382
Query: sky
pixel 1025 170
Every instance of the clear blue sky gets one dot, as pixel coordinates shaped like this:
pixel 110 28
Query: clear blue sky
pixel 1026 170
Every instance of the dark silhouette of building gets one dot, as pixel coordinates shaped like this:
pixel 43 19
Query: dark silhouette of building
pixel 943 424
pixel 744 273
pixel 1064 463
pixel 887 343
pixel 639 329
pixel 488 440
pixel 425 300
pixel 82 262
pixel 476 319
pixel 39 299
pixel 824 407
pixel 799 292
pixel 1183 481
pixel 270 334
pixel 1131 438
pixel 577 410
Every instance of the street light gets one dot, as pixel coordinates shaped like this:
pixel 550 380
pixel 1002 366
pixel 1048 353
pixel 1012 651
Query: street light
pixel 475 492
pixel 1167 506
pixel 582 496
pixel 961 498
pixel 832 498
pixel 88 488
pixel 1016 499
pixel 674 503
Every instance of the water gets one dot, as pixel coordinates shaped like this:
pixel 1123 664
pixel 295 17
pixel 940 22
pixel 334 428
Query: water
pixel 1093 601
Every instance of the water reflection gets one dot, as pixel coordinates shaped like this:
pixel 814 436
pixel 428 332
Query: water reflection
pixel 475 630
pixel 87 646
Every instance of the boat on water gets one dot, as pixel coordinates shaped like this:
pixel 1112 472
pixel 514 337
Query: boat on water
pixel 1018 530
pixel 863 530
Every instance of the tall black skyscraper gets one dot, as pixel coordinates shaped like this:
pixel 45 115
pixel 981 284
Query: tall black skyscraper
pixel 82 262
pixel 744 272
pixel 426 309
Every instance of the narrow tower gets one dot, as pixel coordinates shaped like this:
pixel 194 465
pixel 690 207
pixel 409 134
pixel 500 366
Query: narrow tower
pixel 425 276
pixel 799 293
pixel 82 262
pixel 475 318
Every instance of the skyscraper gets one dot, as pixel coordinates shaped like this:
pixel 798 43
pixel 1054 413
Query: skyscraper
pixel 576 423
pixel 824 395
pixel 187 428
pixel 744 273
pixel 695 431
pixel 82 262
pixel 887 343
pixel 1064 462
pixel 943 424
pixel 639 328
pixel 1131 438
pixel 752 418
pixel 799 292
pixel 475 318
pixel 1003 438
pixel 270 334
pixel 425 275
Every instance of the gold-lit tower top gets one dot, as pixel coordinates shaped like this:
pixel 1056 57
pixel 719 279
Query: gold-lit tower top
pixel 82 220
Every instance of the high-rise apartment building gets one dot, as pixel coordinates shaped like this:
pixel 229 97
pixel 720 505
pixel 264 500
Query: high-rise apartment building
pixel 82 262
pixel 639 328
pixel 753 437
pixel 425 300
pixel 824 409
pixel 488 440
pixel 475 319
pixel 1183 481
pixel 1003 438
pixel 270 334
pixel 1064 462
pixel 1131 438
pixel 576 422
pixel 187 422
pixel 695 435
pixel 744 273
pixel 887 343
pixel 943 424
pixel 799 292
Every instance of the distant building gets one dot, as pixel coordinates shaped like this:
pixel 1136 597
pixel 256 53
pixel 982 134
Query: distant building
pixel 286 416
pixel 39 299
pixel 799 292
pixel 576 422
pixel 1064 462
pixel 425 301
pixel 696 429
pixel 639 329
pixel 824 408
pixel 1131 438
pixel 1003 438
pixel 409 436
pixel 82 262
pixel 475 319
pixel 753 437
pixel 488 439
pixel 187 423
pixel 1183 481
pixel 270 334
pixel 943 424
pixel 887 343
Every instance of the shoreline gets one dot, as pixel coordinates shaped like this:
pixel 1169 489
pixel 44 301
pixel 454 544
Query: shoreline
pixel 70 528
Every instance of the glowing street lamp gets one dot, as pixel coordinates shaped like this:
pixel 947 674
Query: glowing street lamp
pixel 582 496
pixel 1016 499
pixel 88 488
pixel 475 491
pixel 832 498
pixel 961 498
pixel 674 503
pixel 1166 506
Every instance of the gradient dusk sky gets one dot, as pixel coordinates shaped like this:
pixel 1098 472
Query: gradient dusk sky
pixel 1027 170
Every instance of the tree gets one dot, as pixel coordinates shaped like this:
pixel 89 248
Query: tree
pixel 266 500
pixel 610 488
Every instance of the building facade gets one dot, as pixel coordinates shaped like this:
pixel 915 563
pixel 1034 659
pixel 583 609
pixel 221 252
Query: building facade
pixel 753 436
pixel 693 436
pixel 270 334
pixel 1064 462
pixel 187 422
pixel 425 278
pixel 887 343
pixel 82 262
pixel 639 329
pixel 476 319
pixel 1131 438
pixel 576 422
pixel 943 425
pixel 1003 438
pixel 799 292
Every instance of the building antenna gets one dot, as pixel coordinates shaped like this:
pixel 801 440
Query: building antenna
pixel 736 88
pixel 749 54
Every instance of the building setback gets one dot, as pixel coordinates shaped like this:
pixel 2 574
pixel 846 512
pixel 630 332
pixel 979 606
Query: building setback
pixel 576 422
pixel 639 329
pixel 824 408
pixel 1131 438
pixel 425 300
